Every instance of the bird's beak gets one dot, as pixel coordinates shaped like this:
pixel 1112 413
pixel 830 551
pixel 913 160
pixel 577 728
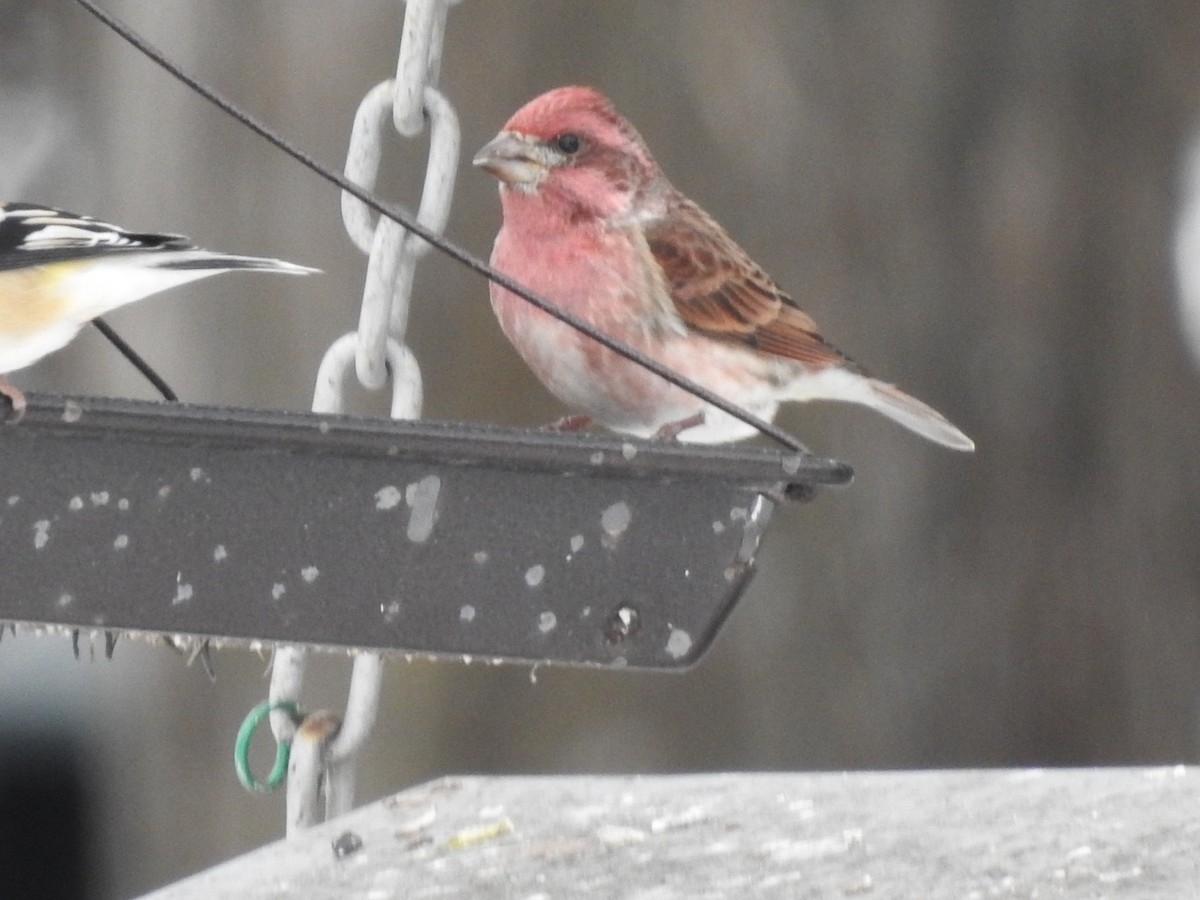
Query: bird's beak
pixel 513 158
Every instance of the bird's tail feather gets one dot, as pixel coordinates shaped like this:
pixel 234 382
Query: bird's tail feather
pixel 209 261
pixel 915 415
pixel 100 285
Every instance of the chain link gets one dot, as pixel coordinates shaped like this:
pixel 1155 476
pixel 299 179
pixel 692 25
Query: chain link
pixel 393 251
pixel 419 62
pixel 325 747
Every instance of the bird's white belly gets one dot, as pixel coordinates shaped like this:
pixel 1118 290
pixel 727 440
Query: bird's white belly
pixel 24 349
pixel 623 396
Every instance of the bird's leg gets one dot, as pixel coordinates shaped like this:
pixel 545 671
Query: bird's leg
pixel 570 423
pixel 16 401
pixel 672 430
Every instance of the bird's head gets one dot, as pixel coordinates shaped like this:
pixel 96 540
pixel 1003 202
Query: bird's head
pixel 572 149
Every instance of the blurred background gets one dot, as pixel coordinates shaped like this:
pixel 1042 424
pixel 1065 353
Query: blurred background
pixel 986 203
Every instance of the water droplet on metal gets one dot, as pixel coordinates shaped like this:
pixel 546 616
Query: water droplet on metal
pixel 614 520
pixel 388 497
pixel 41 533
pixel 422 497
pixel 679 643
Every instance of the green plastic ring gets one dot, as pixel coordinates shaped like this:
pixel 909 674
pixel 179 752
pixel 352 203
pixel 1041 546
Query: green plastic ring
pixel 241 748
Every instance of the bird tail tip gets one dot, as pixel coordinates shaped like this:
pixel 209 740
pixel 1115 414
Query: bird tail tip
pixel 917 417
pixel 207 259
pixel 265 264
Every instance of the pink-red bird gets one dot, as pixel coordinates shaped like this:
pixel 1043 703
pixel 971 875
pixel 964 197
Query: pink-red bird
pixel 591 223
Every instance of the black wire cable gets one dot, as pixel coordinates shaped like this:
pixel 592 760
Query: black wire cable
pixel 443 244
pixel 135 358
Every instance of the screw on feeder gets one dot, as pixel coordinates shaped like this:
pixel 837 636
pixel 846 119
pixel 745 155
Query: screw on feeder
pixel 623 624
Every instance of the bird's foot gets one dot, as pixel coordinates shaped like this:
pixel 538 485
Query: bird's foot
pixel 672 430
pixel 792 493
pixel 569 423
pixel 15 401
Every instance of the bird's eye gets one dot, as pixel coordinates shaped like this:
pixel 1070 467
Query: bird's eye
pixel 568 143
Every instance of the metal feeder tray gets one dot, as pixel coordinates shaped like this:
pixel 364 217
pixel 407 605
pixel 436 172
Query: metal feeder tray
pixel 419 537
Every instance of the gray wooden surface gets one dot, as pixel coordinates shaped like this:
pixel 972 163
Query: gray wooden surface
pixel 1094 833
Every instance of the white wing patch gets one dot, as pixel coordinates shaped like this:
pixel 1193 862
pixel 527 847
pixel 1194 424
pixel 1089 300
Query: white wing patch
pixel 31 229
pixel 50 236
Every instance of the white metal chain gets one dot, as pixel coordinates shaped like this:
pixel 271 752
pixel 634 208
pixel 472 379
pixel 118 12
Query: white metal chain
pixel 323 755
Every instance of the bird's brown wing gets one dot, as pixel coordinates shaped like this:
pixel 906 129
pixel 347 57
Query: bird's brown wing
pixel 719 290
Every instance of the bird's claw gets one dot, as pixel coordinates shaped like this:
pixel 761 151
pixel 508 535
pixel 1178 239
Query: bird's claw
pixel 16 402
pixel 672 430
pixel 570 423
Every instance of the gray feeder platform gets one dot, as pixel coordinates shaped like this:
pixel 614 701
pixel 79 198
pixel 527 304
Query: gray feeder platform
pixel 428 538
pixel 1091 833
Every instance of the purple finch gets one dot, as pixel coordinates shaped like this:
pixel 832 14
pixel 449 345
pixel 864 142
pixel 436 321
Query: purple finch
pixel 591 223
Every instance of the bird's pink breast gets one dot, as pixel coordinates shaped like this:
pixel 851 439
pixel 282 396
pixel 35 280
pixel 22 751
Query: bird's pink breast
pixel 601 275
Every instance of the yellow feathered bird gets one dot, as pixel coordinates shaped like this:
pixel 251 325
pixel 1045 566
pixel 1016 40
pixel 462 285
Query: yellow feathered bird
pixel 59 270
